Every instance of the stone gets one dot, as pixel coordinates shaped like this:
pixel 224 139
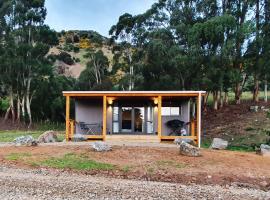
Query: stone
pixel 254 108
pixel 48 137
pixel 264 150
pixel 219 143
pixel 79 138
pixel 101 146
pixel 27 140
pixel 178 141
pixel 189 150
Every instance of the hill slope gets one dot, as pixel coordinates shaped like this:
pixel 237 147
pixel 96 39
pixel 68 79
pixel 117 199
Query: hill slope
pixel 68 56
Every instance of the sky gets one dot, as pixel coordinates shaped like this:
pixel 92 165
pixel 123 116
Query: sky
pixel 97 15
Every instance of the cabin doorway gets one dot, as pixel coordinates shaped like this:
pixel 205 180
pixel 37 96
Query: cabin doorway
pixel 133 120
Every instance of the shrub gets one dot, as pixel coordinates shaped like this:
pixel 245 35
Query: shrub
pixel 66 58
pixel 76 49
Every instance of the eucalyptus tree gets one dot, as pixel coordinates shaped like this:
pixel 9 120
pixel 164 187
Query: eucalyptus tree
pixel 123 31
pixel 96 72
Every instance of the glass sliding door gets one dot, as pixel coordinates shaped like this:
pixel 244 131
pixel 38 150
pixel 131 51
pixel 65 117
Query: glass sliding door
pixel 133 120
pixel 127 119
pixel 115 117
pixel 150 120
pixel 138 120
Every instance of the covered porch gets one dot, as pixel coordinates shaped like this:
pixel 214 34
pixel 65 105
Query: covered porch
pixel 134 115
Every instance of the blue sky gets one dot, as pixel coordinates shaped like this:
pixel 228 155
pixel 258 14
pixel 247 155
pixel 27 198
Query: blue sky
pixel 98 15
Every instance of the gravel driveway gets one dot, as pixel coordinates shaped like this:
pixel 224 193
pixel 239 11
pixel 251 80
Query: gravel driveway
pixel 54 184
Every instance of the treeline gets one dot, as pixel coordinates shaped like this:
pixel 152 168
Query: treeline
pixel 219 46
pixel 215 45
pixel 27 78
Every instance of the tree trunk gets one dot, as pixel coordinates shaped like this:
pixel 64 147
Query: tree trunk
pixel 205 99
pixel 256 89
pixel 23 108
pixel 11 107
pixel 265 91
pixel 18 109
pixel 215 100
pixel 221 99
pixel 28 103
pixel 226 98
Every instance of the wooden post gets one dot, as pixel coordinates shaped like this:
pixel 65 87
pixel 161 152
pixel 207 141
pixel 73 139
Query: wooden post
pixel 199 99
pixel 192 127
pixel 104 129
pixel 67 117
pixel 159 116
pixel 72 122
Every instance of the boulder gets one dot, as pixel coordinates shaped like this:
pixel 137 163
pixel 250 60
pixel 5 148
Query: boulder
pixel 101 146
pixel 178 141
pixel 254 108
pixel 219 143
pixel 48 137
pixel 27 140
pixel 264 150
pixel 79 138
pixel 189 150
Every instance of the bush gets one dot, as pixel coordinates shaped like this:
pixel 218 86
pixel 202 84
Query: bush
pixel 76 49
pixel 77 60
pixel 66 58
pixel 4 104
pixel 76 39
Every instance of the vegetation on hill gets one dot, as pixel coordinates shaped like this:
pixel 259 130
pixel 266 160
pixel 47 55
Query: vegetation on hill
pixel 218 46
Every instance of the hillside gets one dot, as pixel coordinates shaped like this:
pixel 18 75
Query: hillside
pixel 68 56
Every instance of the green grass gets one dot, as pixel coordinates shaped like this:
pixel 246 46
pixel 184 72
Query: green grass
pixel 9 136
pixel 240 148
pixel 73 161
pixel 17 156
pixel 45 126
pixel 126 168
pixel 170 163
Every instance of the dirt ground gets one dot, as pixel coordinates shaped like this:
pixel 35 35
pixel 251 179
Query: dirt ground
pixel 232 119
pixel 161 164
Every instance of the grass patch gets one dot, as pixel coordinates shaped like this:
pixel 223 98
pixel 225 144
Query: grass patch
pixel 126 168
pixel 240 148
pixel 73 161
pixel 206 143
pixel 170 163
pixel 9 136
pixel 17 156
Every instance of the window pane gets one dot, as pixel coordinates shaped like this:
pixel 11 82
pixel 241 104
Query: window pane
pixel 115 113
pixel 165 111
pixel 175 111
pixel 150 127
pixel 115 127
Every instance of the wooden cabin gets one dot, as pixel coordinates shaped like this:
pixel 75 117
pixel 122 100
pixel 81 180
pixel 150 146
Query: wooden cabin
pixel 144 115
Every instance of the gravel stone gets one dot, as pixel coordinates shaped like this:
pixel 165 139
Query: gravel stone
pixel 48 184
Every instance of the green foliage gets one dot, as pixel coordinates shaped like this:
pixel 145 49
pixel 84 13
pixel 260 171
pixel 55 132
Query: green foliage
pixel 66 58
pixel 78 162
pixel 17 156
pixel 4 104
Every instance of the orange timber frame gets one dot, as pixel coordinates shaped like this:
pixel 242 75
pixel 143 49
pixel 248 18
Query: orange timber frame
pixel 195 135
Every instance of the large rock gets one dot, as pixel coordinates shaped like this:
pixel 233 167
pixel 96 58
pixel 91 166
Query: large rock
pixel 265 150
pixel 79 138
pixel 189 150
pixel 254 108
pixel 178 141
pixel 27 140
pixel 219 143
pixel 48 137
pixel 101 146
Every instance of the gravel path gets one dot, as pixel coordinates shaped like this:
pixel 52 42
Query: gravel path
pixel 48 184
